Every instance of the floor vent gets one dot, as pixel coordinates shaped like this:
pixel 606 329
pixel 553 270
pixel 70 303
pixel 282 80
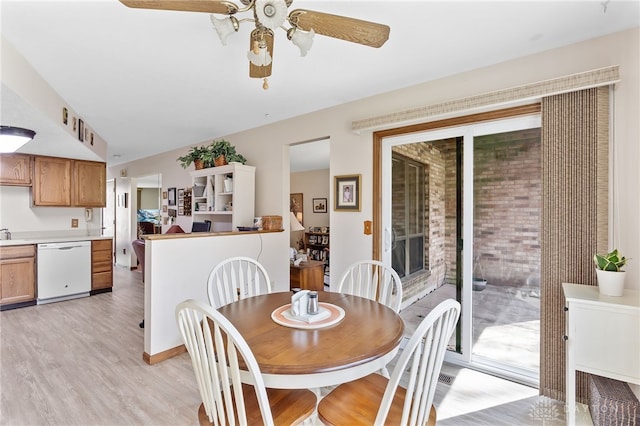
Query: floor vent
pixel 445 378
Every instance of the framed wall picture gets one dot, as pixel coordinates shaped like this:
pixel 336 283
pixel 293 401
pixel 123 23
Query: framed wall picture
pixel 347 193
pixel 80 130
pixel 180 202
pixel 295 205
pixel 319 205
pixel 172 196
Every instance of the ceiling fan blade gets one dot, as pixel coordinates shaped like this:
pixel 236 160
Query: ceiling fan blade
pixel 348 29
pixel 206 6
pixel 256 71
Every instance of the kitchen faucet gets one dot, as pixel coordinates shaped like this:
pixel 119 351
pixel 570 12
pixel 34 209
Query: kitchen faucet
pixel 7 234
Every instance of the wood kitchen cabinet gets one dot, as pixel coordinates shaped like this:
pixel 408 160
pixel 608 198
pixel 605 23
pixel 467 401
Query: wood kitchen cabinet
pixel 90 184
pixel 17 276
pixel 52 181
pixel 101 266
pixel 15 169
pixel 63 182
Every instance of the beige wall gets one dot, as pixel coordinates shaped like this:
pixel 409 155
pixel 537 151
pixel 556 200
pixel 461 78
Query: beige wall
pixel 351 153
pixel 312 184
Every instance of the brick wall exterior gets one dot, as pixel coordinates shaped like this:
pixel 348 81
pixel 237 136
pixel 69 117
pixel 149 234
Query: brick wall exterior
pixel 434 162
pixel 507 196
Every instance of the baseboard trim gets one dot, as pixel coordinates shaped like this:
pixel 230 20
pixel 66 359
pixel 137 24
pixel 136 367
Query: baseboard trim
pixel 9 306
pixel 101 290
pixel 164 355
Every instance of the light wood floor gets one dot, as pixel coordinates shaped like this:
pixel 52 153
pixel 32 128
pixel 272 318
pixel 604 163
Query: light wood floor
pixel 79 362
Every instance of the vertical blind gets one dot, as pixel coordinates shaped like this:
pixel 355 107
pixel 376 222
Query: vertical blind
pixel 575 138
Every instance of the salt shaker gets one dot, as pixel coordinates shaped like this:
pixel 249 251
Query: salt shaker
pixel 312 306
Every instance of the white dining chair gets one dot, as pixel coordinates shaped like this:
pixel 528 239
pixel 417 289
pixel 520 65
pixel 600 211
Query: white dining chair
pixel 236 278
pixel 229 395
pixel 376 400
pixel 374 280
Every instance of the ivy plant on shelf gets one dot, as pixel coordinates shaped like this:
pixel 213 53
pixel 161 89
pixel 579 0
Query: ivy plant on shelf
pixel 200 156
pixel 223 153
pixel 217 153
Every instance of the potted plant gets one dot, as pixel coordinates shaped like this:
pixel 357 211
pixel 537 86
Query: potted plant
pixel 609 272
pixel 200 156
pixel 236 158
pixel 221 151
pixel 479 281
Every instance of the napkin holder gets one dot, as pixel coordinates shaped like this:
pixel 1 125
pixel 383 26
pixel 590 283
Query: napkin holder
pixel 299 302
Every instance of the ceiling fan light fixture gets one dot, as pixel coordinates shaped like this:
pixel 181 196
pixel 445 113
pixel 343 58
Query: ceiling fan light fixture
pixel 224 27
pixel 12 138
pixel 271 13
pixel 260 59
pixel 302 39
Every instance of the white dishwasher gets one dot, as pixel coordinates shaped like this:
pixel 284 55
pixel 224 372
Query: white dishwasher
pixel 64 271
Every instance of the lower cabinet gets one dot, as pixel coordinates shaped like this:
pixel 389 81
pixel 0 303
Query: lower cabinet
pixel 17 276
pixel 101 266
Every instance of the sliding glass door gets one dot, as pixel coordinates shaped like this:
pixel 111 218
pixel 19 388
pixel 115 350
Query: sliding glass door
pixel 460 218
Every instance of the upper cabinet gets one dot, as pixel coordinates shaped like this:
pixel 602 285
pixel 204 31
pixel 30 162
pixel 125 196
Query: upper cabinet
pixel 63 182
pixel 52 181
pixel 90 178
pixel 15 169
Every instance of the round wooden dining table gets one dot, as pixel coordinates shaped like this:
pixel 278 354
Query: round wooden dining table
pixel 363 342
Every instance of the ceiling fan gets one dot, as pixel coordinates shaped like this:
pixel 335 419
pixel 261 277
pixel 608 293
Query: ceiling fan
pixel 269 15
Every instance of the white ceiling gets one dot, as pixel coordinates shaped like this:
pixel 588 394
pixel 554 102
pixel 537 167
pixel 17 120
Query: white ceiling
pixel 151 81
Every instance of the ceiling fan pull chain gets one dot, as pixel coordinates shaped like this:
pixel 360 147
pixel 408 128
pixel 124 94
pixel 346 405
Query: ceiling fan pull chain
pixel 265 84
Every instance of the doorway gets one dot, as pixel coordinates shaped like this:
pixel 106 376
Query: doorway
pixel 148 204
pixel 478 183
pixel 309 184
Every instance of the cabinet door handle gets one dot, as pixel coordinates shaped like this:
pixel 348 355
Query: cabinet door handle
pixel 565 337
pixel 566 308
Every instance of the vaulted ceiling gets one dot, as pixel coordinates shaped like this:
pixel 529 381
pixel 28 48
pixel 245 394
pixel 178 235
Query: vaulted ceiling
pixel 150 81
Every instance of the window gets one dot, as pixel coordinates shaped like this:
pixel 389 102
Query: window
pixel 408 189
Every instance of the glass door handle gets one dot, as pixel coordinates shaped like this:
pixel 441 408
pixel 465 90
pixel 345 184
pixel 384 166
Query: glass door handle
pixel 387 240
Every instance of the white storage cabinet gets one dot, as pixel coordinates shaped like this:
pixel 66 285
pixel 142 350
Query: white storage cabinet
pixel 227 206
pixel 603 337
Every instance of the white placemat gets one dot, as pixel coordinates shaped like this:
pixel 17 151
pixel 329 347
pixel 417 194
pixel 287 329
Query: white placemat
pixel 331 314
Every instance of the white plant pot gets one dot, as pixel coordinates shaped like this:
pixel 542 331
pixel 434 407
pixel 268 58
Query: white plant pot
pixel 610 283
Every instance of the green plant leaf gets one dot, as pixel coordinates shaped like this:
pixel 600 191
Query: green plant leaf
pixel 612 261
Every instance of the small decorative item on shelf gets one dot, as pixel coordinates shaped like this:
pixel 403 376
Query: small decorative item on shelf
pixel 610 273
pixel 272 223
pixel 198 189
pixel 208 191
pixel 228 184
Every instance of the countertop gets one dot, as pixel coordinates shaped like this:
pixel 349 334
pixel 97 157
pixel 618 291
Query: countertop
pixel 52 239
